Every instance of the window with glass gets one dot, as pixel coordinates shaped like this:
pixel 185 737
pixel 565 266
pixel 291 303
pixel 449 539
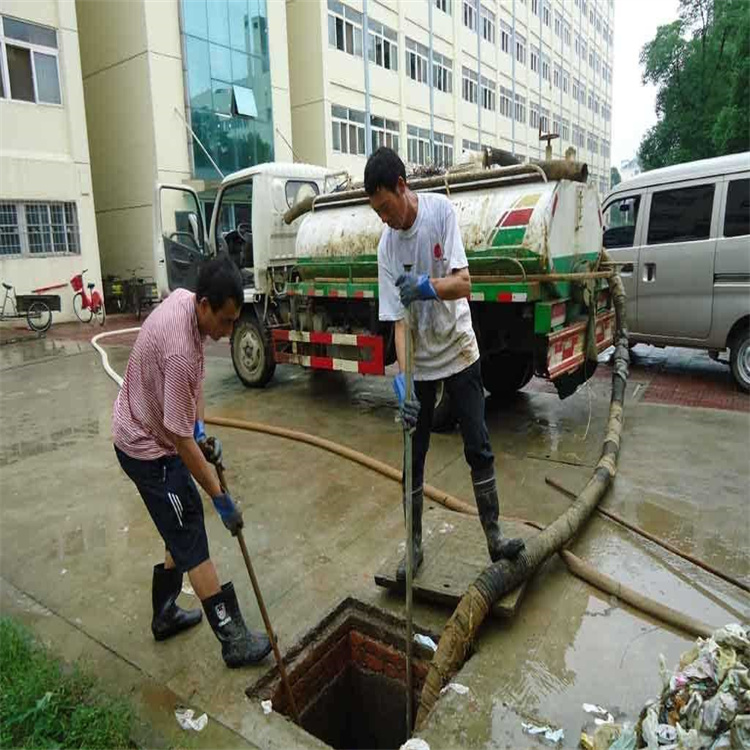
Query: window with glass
pixel 582 94
pixel 593 144
pixel 680 214
pixel 382 47
pixel 470 145
pixel 565 129
pixel 521 49
pixel 544 120
pixel 534 115
pixel 344 28
pixel 584 49
pixel 534 59
pixel 620 219
pixel 470 14
pixel 418 145
pixel 535 7
pixel 417 56
pixel 591 58
pixel 584 5
pixel 29 65
pixel 39 228
pixel 442 73
pixel 737 212
pixel 556 76
pixel 555 125
pixel 443 150
pixel 488 25
pixel 520 109
pixel 384 132
pixel 546 14
pixel 592 15
pixel 566 33
pixel 558 24
pixel 605 26
pixel 591 100
pixel 545 68
pixel 469 82
pixel 444 5
pixel 565 81
pixel 348 130
pixel 506 101
pixel 576 89
pixel 488 94
pixel 505 34
pixel 596 105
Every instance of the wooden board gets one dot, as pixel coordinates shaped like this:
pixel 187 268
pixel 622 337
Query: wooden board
pixel 455 553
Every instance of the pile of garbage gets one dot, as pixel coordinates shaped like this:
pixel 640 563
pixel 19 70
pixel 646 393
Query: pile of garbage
pixel 704 704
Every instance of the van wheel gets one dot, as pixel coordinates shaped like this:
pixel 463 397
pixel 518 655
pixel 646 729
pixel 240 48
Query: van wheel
pixel 740 358
pixel 504 374
pixel 252 354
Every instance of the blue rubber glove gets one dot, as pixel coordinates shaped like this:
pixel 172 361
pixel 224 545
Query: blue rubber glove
pixel 412 288
pixel 211 446
pixel 408 410
pixel 229 513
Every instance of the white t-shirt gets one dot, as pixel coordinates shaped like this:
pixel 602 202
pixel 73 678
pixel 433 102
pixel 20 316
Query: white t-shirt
pixel 444 340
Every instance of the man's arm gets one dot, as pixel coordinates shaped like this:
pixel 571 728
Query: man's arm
pixel 202 471
pixel 455 286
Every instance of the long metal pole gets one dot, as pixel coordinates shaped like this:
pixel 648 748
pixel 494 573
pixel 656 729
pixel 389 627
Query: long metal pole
pixel 408 374
pixel 366 59
pixel 263 611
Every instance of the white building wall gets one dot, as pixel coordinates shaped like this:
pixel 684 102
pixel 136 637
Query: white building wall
pixel 44 156
pixel 345 83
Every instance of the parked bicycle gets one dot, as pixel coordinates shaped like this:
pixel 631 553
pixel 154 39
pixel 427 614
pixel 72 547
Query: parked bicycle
pixel 87 308
pixel 142 292
pixel 36 310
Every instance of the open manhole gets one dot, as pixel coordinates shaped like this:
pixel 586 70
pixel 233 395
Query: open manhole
pixel 348 676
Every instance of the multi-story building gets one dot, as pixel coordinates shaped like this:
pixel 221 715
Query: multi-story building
pixel 434 77
pixel 152 71
pixel 47 225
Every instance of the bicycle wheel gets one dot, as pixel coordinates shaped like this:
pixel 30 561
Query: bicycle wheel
pixel 84 314
pixel 101 314
pixel 39 316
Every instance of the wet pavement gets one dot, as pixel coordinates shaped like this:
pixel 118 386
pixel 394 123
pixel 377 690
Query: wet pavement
pixel 77 546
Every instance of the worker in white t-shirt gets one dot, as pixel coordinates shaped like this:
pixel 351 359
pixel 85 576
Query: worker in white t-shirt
pixel 422 235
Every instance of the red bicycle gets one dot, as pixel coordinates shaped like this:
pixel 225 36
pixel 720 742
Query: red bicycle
pixel 87 308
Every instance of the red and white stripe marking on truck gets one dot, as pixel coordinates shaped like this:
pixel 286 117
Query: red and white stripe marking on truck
pixel 566 348
pixel 306 348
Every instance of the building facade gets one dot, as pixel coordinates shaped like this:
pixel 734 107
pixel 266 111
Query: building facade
pixel 47 224
pixel 432 78
pixel 154 71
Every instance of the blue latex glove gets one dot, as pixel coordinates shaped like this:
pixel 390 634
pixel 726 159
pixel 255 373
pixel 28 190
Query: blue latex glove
pixel 412 288
pixel 229 513
pixel 211 446
pixel 408 410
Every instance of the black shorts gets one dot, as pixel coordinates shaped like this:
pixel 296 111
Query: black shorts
pixel 175 505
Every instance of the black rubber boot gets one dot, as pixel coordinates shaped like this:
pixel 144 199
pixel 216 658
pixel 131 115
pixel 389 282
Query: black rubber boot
pixel 417 500
pixel 485 492
pixel 239 646
pixel 169 619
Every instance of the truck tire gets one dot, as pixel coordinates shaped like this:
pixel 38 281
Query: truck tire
pixel 252 354
pixel 739 359
pixel 504 374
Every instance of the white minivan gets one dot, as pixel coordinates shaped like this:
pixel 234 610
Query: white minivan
pixel 682 237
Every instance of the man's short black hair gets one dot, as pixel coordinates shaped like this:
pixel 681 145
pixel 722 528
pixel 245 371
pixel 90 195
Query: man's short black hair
pixel 219 280
pixel 383 169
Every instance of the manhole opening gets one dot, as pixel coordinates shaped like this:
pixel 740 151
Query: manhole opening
pixel 348 676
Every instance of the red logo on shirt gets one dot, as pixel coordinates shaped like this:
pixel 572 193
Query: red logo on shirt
pixel 437 251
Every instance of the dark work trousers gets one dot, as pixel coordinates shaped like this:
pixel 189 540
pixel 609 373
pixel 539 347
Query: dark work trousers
pixel 466 393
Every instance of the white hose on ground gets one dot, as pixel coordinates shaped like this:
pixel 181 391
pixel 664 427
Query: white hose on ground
pixel 105 359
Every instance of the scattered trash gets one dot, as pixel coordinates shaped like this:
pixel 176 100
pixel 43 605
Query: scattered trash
pixel 446 528
pixel 608 720
pixel 186 721
pixel 415 743
pixel 267 707
pixel 456 687
pixel 626 739
pixel 610 737
pixel 591 708
pixel 125 529
pixel 426 641
pixel 63 571
pixel 705 701
pixel 187 589
pixel 550 734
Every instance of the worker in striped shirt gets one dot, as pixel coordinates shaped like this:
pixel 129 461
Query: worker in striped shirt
pixel 161 444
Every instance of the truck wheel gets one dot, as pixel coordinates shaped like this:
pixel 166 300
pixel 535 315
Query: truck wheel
pixel 504 374
pixel 252 355
pixel 442 418
pixel 740 358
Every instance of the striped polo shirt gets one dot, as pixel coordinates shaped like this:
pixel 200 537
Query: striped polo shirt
pixel 163 381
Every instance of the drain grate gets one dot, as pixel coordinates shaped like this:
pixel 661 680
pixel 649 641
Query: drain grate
pixel 348 676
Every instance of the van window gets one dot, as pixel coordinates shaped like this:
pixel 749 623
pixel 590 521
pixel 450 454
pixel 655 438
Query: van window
pixel 620 219
pixel 681 215
pixel 737 217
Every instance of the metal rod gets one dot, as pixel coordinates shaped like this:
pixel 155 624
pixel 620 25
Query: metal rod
pixel 262 608
pixel 408 488
pixel 199 142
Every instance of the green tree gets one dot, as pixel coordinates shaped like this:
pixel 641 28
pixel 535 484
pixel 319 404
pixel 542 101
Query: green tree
pixel 700 64
pixel 614 177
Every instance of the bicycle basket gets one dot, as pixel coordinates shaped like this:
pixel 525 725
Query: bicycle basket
pixel 77 282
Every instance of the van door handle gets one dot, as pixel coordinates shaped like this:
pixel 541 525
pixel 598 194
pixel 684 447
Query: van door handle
pixel 626 269
pixel 649 272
